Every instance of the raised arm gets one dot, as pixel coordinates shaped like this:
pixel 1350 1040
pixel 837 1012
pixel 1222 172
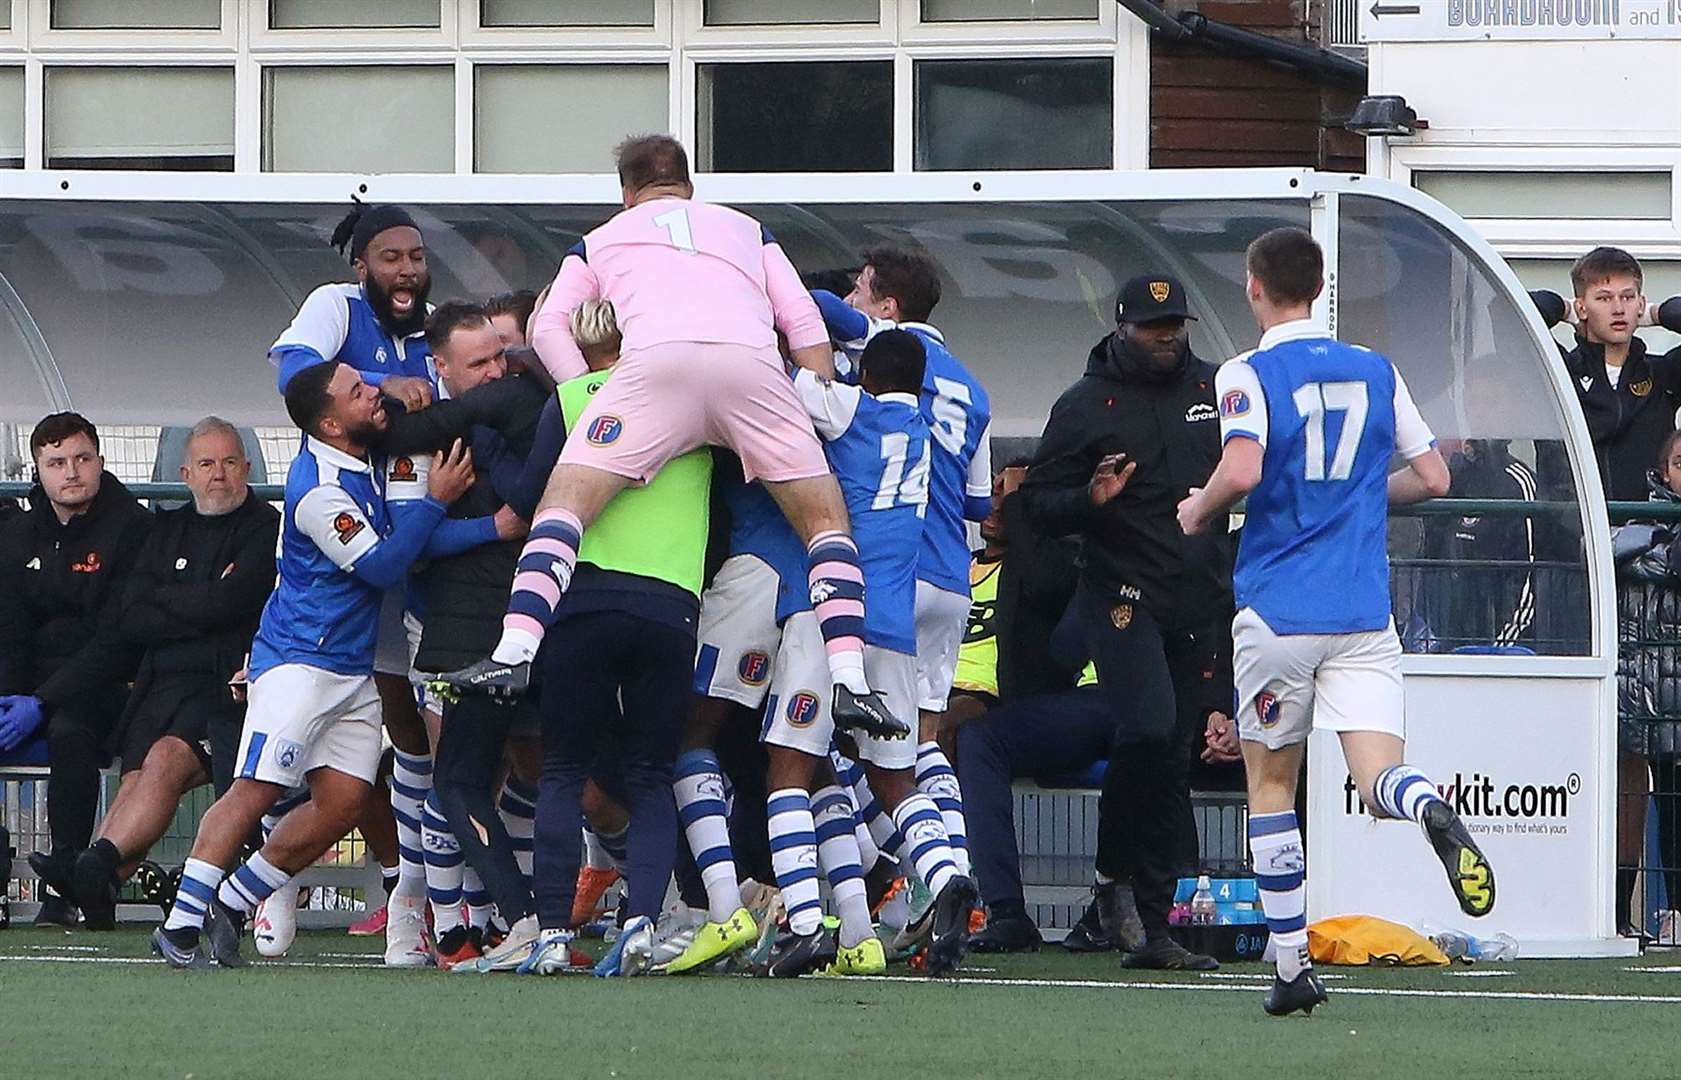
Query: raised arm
pixel 551 328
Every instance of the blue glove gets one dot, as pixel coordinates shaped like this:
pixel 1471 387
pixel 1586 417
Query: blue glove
pixel 20 716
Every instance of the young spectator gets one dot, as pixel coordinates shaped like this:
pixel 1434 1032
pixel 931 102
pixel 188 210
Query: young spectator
pixel 63 667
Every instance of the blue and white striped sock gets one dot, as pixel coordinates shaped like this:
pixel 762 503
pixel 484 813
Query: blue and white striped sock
pixel 480 906
pixel 192 900
pixel 936 779
pixel 250 884
pixel 925 840
pixel 518 807
pixel 444 863
pixel 1275 848
pixel 411 782
pixel 1403 792
pixel 699 789
pixel 793 856
pixel 284 805
pixel 882 830
pixel 837 854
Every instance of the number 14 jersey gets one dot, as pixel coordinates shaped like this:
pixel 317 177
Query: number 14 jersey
pixel 1329 417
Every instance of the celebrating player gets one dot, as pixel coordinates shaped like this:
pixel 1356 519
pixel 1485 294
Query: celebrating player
pixel 701 291
pixel 1309 425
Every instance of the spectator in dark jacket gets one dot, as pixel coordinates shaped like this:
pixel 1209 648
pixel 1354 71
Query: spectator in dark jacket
pixel 63 666
pixel 192 603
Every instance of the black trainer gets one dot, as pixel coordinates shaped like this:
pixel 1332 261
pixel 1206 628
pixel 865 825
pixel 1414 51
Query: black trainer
pixel 1301 993
pixel 1007 934
pixel 879 882
pixel 1087 936
pixel 952 908
pixel 54 869
pixel 1469 873
pixel 1165 954
pixel 487 676
pixel 57 910
pixel 794 955
pixel 224 927
pixel 1117 914
pixel 866 713
pixel 179 948
pixel 93 882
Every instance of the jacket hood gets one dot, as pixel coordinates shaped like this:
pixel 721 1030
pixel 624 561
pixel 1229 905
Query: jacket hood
pixel 1110 358
pixel 1657 490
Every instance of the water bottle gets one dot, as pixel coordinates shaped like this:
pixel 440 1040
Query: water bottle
pixel 1495 949
pixel 1203 910
pixel 1456 944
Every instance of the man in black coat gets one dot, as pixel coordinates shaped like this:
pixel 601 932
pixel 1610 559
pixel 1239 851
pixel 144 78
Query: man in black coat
pixel 63 666
pixel 192 603
pixel 1122 447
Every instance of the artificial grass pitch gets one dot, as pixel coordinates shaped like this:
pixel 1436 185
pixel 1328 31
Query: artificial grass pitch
pixel 90 1005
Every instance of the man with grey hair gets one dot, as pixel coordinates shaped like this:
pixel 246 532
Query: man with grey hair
pixel 192 603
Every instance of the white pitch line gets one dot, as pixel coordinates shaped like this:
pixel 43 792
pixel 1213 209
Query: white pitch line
pixel 1367 991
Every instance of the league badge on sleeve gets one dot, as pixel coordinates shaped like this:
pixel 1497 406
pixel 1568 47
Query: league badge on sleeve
pixel 1234 403
pixel 346 526
pixel 604 430
pixel 402 471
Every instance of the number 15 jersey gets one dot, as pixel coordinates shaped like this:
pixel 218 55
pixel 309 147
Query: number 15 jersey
pixel 1329 416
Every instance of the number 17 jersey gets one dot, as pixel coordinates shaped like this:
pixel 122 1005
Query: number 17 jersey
pixel 1329 416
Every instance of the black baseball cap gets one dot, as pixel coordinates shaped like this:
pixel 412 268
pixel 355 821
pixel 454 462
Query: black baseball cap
pixel 1149 297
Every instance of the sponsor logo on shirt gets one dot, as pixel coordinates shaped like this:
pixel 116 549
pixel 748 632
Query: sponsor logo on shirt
pixel 753 668
pixel 33 564
pixel 1234 403
pixel 346 526
pixel 401 471
pixel 180 564
pixel 1266 708
pixel 1202 410
pixel 802 709
pixel 604 430
pixel 1586 381
pixel 89 565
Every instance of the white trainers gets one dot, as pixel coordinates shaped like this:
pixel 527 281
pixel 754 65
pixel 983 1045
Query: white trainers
pixel 276 924
pixel 551 954
pixel 514 950
pixel 406 944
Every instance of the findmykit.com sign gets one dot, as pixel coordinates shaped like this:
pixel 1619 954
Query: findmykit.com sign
pixel 1518 20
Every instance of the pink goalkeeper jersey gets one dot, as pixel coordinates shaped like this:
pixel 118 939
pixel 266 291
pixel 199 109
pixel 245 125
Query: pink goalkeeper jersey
pixel 679 270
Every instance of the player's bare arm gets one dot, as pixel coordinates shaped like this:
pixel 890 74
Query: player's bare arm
pixel 1235 477
pixel 1425 477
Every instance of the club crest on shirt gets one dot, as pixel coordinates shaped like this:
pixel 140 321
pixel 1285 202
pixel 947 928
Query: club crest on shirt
pixel 753 668
pixel 89 565
pixel 401 471
pixel 604 430
pixel 1121 616
pixel 1266 708
pixel 379 355
pixel 1202 410
pixel 1641 388
pixel 802 709
pixel 1234 403
pixel 346 526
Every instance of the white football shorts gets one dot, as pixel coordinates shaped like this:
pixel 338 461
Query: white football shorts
pixel 1289 684
pixel 301 718
pixel 738 636
pixel 941 618
pixel 797 713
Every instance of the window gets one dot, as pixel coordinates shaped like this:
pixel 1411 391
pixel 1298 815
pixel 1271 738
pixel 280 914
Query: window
pixel 796 117
pixel 1015 114
pixel 11 118
pixel 1661 280
pixel 935 11
pixel 136 14
pixel 332 14
pixel 790 12
pixel 1623 195
pixel 495 14
pixel 518 132
pixel 359 119
pixel 139 118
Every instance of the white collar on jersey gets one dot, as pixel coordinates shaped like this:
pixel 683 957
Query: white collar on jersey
pixel 1294 330
pixel 924 328
pixel 900 399
pixel 335 457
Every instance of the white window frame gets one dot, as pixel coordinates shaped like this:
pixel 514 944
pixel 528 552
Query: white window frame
pixel 13 36
pixel 252 100
pixel 335 39
pixel 1104 28
pixel 546 39
pixel 466 87
pixel 40 35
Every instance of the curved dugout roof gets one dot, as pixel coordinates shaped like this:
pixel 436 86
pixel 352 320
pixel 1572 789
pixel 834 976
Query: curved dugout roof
pixel 152 298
